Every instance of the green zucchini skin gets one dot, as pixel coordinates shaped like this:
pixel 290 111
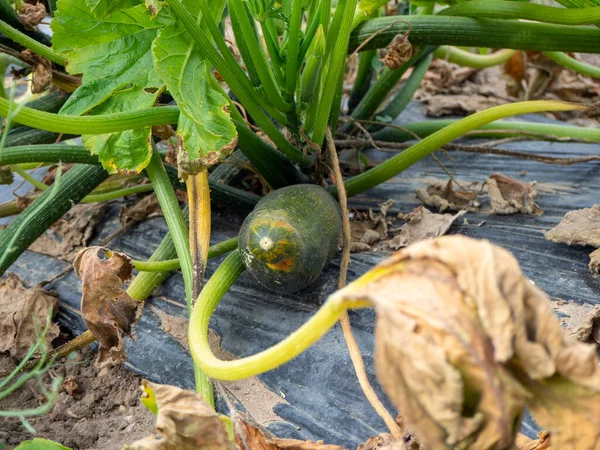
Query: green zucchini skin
pixel 290 236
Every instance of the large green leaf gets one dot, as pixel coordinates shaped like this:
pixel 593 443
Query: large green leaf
pixel 205 130
pixel 41 444
pixel 113 52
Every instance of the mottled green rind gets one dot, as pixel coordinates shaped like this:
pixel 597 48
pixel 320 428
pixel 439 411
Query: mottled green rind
pixel 316 218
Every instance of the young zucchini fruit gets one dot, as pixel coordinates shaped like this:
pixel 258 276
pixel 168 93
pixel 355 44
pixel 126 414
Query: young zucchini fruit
pixel 290 236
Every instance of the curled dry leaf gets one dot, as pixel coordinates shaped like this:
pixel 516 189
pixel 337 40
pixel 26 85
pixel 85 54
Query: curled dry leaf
pixel 422 224
pixel 186 422
pixel 594 264
pixel 146 208
pixel 589 328
pixel 20 308
pixel 581 227
pixel 72 232
pixel 6 175
pixel 510 196
pixel 464 341
pixel 441 195
pixel 41 71
pixel 107 310
pixel 398 52
pixel 541 443
pixel 32 14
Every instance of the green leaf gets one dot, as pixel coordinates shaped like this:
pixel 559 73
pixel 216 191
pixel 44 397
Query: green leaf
pixel 41 444
pixel 205 130
pixel 113 52
pixel 102 7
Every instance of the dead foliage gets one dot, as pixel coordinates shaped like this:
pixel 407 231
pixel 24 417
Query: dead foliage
pixel 184 421
pixel 21 310
pixel 107 310
pixel 464 341
pixel 146 208
pixel 31 14
pixel 444 197
pixel 41 70
pixel 510 196
pixel 6 175
pixel 541 443
pixel 398 51
pixel 72 232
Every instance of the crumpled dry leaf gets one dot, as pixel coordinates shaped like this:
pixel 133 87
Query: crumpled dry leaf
pixel 581 227
pixel 41 71
pixel 594 264
pixel 541 443
pixel 146 208
pixel 107 310
pixel 460 104
pixel 72 232
pixel 20 308
pixel 399 50
pixel 510 196
pixel 186 422
pixel 464 341
pixel 441 195
pixel 589 328
pixel 6 175
pixel 422 224
pixel 32 14
pixel 368 228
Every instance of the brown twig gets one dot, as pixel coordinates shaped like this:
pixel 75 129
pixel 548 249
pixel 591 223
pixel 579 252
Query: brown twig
pixel 355 356
pixel 483 149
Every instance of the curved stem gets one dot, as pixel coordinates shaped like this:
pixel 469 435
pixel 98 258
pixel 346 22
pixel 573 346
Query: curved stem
pixel 118 193
pixel 465 58
pixel 573 64
pixel 100 124
pixel 28 177
pixel 309 333
pixel 31 44
pixel 502 9
pixel 421 149
pixel 173 264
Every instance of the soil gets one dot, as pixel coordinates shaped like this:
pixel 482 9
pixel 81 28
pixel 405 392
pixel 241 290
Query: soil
pixel 96 408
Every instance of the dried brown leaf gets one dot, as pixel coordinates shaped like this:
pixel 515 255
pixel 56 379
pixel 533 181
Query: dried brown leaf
pixel 399 50
pixel 146 208
pixel 581 227
pixel 107 310
pixel 41 71
pixel 541 443
pixel 589 328
pixel 72 232
pixel 184 421
pixel 460 104
pixel 441 195
pixel 464 341
pixel 20 308
pixel 594 264
pixel 422 224
pixel 6 175
pixel 32 14
pixel 510 196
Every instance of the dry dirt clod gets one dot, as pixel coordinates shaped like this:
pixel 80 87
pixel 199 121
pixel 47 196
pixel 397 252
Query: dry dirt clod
pixel 510 196
pixel 20 308
pixel 487 343
pixel 107 310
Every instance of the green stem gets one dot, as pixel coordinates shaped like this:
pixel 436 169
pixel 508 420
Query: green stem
pixel 465 58
pixel 46 153
pixel 270 34
pixel 30 43
pixel 238 82
pixel 100 124
pixel 365 10
pixel 421 149
pixel 259 58
pixel 291 66
pixel 309 333
pixel 28 177
pixel 469 32
pixel 362 83
pixel 502 9
pixel 335 69
pixel 177 227
pixel 118 193
pixel 573 64
pixel 502 127
pixel 173 264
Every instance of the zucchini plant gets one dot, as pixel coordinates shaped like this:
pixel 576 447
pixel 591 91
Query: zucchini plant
pixel 146 70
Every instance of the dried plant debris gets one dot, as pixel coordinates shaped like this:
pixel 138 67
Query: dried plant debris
pixel 464 341
pixel 41 71
pixel 541 443
pixel 107 310
pixel 72 232
pixel 398 52
pixel 31 14
pixel 510 196
pixel 580 227
pixel 588 329
pixel 185 421
pixel 460 104
pixel 146 208
pixel 22 309
pixel 422 224
pixel 369 228
pixel 444 197
pixel 6 175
